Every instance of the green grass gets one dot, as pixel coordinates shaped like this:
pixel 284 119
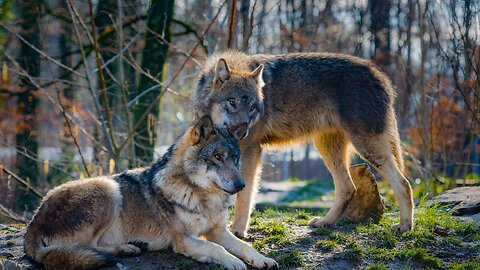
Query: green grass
pixel 420 255
pixel 185 263
pixel 472 264
pixel 274 231
pixel 313 190
pixel 10 243
pixel 381 254
pixel 376 266
pixel 338 236
pixel 375 245
pixel 326 245
pixel 292 258
pixel 272 228
pixel 306 240
pixel 354 251
pixel 323 231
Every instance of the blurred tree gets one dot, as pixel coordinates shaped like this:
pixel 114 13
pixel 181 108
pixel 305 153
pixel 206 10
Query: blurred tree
pixel 157 39
pixel 6 7
pixel 27 102
pixel 380 28
pixel 110 17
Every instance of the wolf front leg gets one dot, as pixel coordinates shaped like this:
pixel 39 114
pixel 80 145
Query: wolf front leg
pixel 239 248
pixel 251 166
pixel 205 251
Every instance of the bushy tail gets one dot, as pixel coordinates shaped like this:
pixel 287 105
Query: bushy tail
pixel 66 256
pixel 74 257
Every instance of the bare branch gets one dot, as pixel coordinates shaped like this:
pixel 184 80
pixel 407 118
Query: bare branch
pixel 71 133
pixel 21 181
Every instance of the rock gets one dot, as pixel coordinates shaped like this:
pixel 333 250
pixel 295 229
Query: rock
pixel 464 200
pixel 473 218
pixel 367 202
pixel 10 265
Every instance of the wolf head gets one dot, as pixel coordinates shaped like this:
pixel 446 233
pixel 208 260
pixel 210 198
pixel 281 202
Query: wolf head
pixel 212 157
pixel 231 97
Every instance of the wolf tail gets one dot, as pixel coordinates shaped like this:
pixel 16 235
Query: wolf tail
pixel 66 256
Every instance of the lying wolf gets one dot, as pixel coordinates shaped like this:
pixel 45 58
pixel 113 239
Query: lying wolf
pixel 83 224
pixel 335 100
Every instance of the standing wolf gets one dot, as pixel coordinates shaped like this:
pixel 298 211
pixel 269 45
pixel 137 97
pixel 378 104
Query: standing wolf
pixel 182 196
pixel 335 100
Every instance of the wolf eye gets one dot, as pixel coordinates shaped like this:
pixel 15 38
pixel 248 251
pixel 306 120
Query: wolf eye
pixel 217 157
pixel 232 102
pixel 252 108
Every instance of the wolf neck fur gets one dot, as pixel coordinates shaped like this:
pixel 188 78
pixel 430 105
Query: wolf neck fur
pixel 169 179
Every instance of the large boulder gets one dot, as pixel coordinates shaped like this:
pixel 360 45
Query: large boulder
pixel 367 202
pixel 464 200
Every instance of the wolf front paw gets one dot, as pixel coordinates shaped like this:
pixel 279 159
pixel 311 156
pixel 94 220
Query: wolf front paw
pixel 128 250
pixel 238 232
pixel 264 263
pixel 403 226
pixel 318 222
pixel 234 263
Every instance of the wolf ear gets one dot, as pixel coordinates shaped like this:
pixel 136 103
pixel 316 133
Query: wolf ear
pixel 203 130
pixel 257 74
pixel 222 71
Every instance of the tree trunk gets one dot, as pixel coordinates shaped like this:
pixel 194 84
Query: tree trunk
pixel 154 59
pixel 232 25
pixel 245 18
pixel 27 102
pixel 380 28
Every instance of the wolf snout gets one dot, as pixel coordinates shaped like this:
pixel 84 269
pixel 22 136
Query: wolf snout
pixel 239 185
pixel 240 131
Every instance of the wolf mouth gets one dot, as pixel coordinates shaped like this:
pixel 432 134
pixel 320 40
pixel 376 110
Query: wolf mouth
pixel 227 191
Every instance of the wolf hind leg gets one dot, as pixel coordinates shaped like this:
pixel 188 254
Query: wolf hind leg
pixel 383 152
pixel 245 201
pixel 333 147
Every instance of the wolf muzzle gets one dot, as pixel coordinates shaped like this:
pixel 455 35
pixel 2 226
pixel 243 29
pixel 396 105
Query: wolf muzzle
pixel 240 131
pixel 239 185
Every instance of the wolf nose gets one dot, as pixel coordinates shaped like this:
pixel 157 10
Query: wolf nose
pixel 239 184
pixel 240 131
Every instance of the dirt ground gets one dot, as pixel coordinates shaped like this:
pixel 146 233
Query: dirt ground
pixel 439 240
pixel 296 248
